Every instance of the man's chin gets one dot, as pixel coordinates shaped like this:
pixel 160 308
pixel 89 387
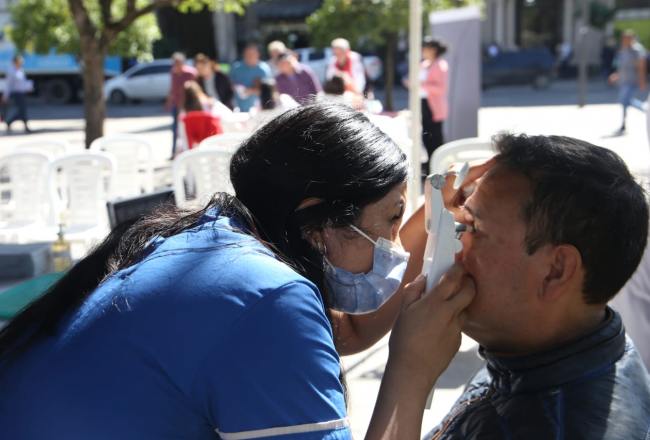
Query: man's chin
pixel 474 329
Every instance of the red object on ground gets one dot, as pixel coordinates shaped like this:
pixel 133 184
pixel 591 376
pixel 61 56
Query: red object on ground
pixel 200 125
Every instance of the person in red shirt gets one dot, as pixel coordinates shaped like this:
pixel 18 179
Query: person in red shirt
pixel 181 73
pixel 348 64
pixel 198 120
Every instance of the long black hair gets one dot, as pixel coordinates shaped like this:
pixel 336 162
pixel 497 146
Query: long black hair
pixel 325 151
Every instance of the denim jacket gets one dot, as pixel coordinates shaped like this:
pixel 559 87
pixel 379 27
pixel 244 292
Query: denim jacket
pixel 594 388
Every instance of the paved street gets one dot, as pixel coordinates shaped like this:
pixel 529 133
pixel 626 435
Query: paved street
pixel 516 109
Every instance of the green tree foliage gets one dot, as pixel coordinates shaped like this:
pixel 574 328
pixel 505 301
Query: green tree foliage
pixel 39 26
pixel 93 29
pixel 368 21
pixel 42 25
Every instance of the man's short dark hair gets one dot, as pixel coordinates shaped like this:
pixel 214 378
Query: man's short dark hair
pixel 585 196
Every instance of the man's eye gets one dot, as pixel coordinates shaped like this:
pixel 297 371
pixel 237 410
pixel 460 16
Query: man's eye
pixel 471 228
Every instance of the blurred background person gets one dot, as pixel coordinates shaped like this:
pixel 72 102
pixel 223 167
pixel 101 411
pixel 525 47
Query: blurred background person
pixel 197 117
pixel 213 82
pixel 434 72
pixel 15 93
pixel 180 73
pixel 630 73
pixel 296 79
pixel 275 49
pixel 349 64
pixel 334 91
pixel 245 74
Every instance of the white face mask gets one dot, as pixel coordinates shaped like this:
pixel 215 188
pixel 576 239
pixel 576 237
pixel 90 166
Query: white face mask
pixel 358 293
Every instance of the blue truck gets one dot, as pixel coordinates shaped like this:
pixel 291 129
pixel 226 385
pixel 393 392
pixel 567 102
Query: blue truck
pixel 56 76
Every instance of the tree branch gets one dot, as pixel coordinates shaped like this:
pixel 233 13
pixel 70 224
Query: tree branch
pixel 82 19
pixel 130 7
pixel 133 14
pixel 105 6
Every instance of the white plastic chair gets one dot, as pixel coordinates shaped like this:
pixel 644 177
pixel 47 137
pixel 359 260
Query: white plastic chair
pixel 461 150
pixel 133 173
pixel 198 174
pixel 79 188
pixel 51 147
pixel 224 141
pixel 24 206
pixel 236 123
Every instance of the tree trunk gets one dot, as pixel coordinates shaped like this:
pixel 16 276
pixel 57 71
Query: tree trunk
pixel 93 56
pixel 389 70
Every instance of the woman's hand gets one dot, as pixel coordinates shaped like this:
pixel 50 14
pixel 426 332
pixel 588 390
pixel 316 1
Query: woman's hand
pixel 426 335
pixel 425 338
pixel 455 198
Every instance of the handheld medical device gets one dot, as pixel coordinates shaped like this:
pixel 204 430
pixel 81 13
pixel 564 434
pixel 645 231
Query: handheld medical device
pixel 442 244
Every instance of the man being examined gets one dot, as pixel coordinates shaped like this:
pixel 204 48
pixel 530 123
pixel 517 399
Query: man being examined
pixel 555 228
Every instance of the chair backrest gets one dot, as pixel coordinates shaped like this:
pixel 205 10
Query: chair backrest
pixel 79 187
pixel 396 128
pixel 200 125
pixel 50 147
pixel 23 184
pixel 133 173
pixel 198 174
pixel 236 123
pixel 224 141
pixel 461 150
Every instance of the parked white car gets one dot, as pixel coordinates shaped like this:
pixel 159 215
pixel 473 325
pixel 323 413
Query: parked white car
pixel 318 59
pixel 145 81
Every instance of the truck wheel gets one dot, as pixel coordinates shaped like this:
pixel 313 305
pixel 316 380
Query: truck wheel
pixel 58 91
pixel 117 97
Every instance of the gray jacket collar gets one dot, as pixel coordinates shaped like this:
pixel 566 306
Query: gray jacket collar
pixel 579 360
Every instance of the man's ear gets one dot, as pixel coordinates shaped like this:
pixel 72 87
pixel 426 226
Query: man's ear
pixel 564 269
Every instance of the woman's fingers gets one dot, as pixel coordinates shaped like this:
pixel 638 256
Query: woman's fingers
pixel 464 297
pixel 449 283
pixel 413 290
pixel 427 332
pixel 454 198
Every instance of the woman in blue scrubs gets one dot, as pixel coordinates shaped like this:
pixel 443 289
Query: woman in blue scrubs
pixel 229 322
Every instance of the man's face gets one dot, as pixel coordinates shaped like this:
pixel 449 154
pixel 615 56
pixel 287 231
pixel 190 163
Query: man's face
pixel 204 68
pixel 339 53
pixel 251 56
pixel 494 254
pixel 178 66
pixel 627 40
pixel 286 66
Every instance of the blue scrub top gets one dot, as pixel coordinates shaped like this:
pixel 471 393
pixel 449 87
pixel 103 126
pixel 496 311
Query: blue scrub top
pixel 208 336
pixel 245 75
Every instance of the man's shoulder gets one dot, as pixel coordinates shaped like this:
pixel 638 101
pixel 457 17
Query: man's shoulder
pixel 305 69
pixel 638 49
pixel 263 67
pixel 614 401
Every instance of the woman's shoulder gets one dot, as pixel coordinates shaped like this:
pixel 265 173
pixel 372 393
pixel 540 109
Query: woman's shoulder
pixel 442 64
pixel 215 261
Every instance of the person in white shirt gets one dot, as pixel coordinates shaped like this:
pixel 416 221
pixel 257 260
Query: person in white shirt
pixel 275 49
pixel 349 64
pixel 15 92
